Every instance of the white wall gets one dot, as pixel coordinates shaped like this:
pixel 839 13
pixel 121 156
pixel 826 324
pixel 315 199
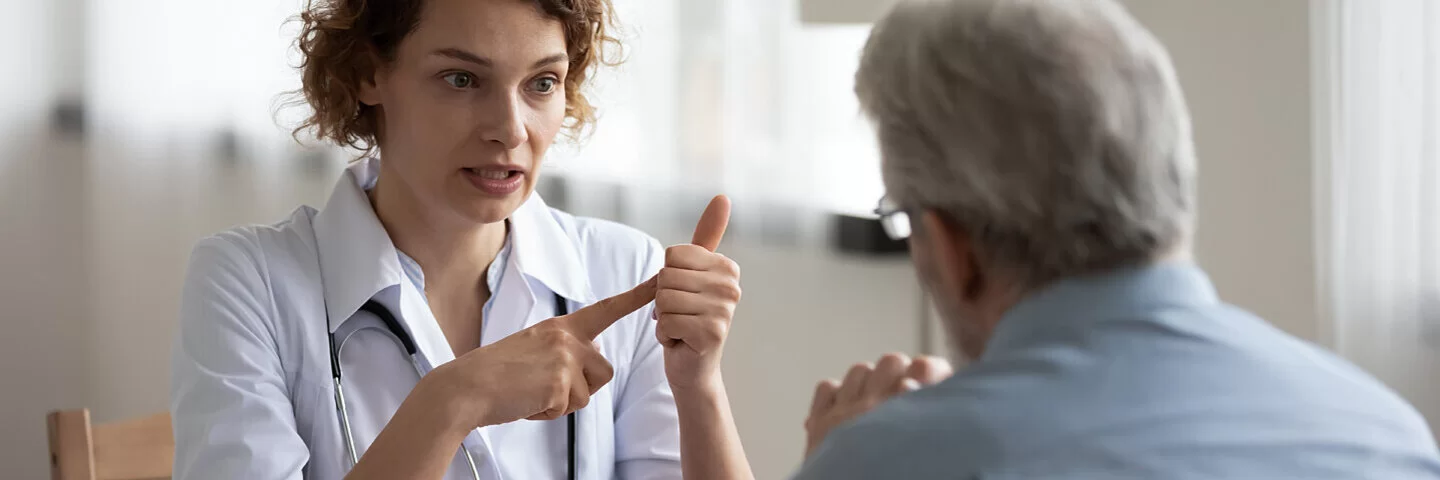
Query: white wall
pixel 1245 68
pixel 25 88
pixel 42 352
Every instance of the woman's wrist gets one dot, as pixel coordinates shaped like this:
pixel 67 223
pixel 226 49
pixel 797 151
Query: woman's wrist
pixel 709 442
pixel 420 438
pixel 707 390
pixel 452 405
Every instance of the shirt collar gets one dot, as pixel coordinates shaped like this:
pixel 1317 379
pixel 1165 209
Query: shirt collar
pixel 546 252
pixel 1080 302
pixel 358 260
pixel 492 275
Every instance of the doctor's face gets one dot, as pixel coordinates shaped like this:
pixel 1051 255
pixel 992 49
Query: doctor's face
pixel 471 101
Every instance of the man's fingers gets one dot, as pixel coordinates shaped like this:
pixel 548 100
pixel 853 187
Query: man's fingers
pixel 711 227
pixel 824 396
pixel 929 370
pixel 854 382
pixel 587 323
pixel 888 372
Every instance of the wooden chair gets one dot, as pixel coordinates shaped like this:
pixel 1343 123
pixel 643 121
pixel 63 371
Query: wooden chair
pixel 134 449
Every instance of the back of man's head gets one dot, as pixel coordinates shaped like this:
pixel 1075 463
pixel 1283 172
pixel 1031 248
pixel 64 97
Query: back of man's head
pixel 1053 132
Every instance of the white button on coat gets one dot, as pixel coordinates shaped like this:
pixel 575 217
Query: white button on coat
pixel 251 386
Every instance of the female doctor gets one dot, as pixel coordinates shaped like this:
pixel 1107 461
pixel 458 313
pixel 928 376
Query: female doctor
pixel 436 319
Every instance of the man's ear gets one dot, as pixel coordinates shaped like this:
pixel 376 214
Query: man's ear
pixel 953 251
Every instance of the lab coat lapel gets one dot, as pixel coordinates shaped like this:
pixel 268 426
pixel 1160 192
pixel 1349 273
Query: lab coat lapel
pixel 587 442
pixel 545 252
pixel 546 261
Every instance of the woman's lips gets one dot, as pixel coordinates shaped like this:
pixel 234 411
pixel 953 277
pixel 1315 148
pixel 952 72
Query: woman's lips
pixel 495 181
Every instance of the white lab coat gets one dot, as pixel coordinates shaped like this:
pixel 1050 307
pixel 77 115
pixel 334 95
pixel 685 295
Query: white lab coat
pixel 251 386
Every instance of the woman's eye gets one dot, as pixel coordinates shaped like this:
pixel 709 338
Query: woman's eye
pixel 460 79
pixel 544 84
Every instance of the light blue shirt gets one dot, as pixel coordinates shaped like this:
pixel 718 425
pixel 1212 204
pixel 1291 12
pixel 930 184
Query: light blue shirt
pixel 1142 373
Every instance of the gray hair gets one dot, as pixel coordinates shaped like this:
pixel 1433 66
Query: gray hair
pixel 1053 132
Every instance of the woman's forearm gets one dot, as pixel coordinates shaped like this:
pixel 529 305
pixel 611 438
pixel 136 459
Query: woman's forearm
pixel 709 443
pixel 418 443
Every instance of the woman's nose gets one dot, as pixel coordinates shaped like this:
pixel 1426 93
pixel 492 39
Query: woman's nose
pixel 503 121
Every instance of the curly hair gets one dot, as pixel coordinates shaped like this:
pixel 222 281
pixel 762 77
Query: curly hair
pixel 341 40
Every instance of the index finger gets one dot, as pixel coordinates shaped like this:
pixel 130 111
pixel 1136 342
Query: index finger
pixel 711 227
pixel 587 323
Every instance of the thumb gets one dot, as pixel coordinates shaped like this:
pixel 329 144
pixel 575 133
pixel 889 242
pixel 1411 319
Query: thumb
pixel 711 227
pixel 587 323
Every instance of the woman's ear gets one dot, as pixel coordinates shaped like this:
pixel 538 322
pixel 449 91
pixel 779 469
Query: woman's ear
pixel 370 85
pixel 369 93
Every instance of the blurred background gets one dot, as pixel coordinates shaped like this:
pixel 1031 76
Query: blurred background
pixel 131 128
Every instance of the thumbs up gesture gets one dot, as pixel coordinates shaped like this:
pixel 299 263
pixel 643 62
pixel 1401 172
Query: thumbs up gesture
pixel 696 294
pixel 553 367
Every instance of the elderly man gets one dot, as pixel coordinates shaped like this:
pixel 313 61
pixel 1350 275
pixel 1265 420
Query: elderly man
pixel 1042 151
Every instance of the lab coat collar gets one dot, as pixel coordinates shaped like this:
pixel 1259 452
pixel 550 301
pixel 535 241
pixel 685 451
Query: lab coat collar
pixel 544 251
pixel 358 260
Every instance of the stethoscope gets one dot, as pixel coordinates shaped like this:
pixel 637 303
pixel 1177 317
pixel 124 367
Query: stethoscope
pixel 408 343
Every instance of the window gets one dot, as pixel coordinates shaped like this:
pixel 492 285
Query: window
pixel 1378 136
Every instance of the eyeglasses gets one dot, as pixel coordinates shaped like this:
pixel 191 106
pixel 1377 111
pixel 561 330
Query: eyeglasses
pixel 894 219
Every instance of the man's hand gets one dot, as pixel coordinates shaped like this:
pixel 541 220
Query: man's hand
pixel 698 291
pixel 865 387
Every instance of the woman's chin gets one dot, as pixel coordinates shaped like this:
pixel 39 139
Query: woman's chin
pixel 489 211
pixel 485 208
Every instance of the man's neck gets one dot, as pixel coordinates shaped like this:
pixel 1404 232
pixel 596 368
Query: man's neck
pixel 985 313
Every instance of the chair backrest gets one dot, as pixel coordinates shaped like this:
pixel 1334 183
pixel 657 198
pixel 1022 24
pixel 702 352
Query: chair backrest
pixel 134 449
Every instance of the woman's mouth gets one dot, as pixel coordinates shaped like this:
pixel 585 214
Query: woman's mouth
pixel 495 181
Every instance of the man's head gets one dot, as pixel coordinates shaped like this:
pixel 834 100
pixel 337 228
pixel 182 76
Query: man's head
pixel 1028 140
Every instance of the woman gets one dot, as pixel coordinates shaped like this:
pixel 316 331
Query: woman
pixel 406 330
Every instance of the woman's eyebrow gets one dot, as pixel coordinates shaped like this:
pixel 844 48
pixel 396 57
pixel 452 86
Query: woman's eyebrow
pixel 556 58
pixel 464 56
